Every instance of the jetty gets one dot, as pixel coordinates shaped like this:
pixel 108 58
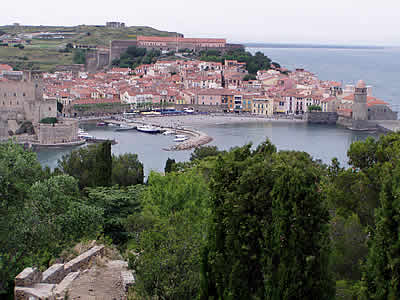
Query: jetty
pixel 196 138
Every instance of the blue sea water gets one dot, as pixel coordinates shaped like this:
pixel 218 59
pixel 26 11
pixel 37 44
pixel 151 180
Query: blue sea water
pixel 379 68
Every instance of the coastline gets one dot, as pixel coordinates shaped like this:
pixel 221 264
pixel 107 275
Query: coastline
pixel 192 121
pixel 186 124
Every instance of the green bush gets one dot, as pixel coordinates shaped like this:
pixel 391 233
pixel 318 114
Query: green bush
pixel 50 120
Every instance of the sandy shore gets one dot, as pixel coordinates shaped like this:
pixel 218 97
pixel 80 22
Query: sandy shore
pixel 195 120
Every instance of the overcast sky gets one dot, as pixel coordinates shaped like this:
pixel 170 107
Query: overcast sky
pixel 282 21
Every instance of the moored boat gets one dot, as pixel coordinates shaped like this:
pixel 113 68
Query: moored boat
pixel 148 129
pixel 125 128
pixel 180 138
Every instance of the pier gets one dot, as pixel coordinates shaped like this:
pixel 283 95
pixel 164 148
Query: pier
pixel 196 138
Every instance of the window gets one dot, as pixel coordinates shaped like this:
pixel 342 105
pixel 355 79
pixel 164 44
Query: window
pixel 23 94
pixel 15 94
pixel 49 108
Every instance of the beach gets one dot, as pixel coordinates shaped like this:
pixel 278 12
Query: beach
pixel 191 121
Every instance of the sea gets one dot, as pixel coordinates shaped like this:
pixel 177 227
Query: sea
pixel 378 67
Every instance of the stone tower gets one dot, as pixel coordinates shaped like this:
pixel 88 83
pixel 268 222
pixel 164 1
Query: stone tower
pixel 360 110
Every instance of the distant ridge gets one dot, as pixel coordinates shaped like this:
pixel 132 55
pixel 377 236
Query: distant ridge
pixel 276 45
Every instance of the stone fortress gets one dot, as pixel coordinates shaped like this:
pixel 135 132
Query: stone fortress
pixel 22 107
pixel 358 110
pixel 103 56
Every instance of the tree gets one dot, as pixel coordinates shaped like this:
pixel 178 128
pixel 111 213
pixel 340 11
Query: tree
pixel 298 264
pixel 268 238
pixel 79 56
pixel 381 279
pixel 314 108
pixel 19 169
pixel 204 151
pixel 91 165
pixel 349 247
pixel 117 204
pixel 248 77
pixel 169 165
pixel 127 170
pixel 39 216
pixel 169 235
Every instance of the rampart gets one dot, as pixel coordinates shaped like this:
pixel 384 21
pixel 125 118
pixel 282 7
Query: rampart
pixel 321 117
pixel 118 47
pixel 64 132
pixel 52 283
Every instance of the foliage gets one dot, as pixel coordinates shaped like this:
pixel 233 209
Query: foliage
pixel 269 233
pixel 135 56
pixel 49 120
pixel 254 63
pixel 127 170
pixel 169 165
pixel 79 56
pixel 349 247
pixel 39 216
pixel 381 279
pixel 314 108
pixel 169 236
pixel 117 203
pixel 203 152
pixel 91 166
pixel 248 77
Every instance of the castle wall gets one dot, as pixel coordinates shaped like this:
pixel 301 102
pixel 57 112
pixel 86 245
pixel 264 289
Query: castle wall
pixel 64 132
pixel 381 112
pixel 321 117
pixel 119 47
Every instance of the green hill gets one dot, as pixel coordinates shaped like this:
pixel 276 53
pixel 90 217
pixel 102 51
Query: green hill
pixel 45 53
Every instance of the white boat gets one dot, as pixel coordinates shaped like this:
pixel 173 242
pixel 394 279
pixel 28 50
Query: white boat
pixel 148 129
pixel 124 128
pixel 85 135
pixel 180 139
pixel 180 136
pixel 167 132
pixel 82 134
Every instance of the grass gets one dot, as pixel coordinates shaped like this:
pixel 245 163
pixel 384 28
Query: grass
pixel 44 54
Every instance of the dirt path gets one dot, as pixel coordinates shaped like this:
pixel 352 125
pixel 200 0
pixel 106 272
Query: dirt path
pixel 99 283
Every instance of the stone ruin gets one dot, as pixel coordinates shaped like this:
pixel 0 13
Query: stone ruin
pixel 55 282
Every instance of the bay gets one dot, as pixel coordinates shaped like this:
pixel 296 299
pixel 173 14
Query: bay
pixel 377 67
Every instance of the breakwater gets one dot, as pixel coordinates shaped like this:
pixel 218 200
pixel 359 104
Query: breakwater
pixel 196 138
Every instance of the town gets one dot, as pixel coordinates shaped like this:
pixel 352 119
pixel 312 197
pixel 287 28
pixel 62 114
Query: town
pixel 184 85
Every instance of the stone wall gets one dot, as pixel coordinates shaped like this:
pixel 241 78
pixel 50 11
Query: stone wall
pixel 52 283
pixel 321 117
pixel 23 100
pixel 118 47
pixel 64 132
pixel 381 112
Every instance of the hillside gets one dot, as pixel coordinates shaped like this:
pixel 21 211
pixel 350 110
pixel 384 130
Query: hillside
pixel 45 51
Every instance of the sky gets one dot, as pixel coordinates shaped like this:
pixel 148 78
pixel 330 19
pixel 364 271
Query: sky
pixel 344 22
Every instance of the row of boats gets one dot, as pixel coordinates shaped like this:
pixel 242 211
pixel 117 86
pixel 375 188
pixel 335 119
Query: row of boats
pixel 141 128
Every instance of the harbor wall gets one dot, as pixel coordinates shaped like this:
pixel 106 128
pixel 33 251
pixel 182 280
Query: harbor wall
pixel 64 132
pixel 321 117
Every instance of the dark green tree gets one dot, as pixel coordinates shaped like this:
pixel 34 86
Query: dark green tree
pixel 117 204
pixel 127 170
pixel 203 152
pixel 169 165
pixel 299 244
pixel 169 234
pixel 381 279
pixel 240 186
pixel 270 237
pixel 91 165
